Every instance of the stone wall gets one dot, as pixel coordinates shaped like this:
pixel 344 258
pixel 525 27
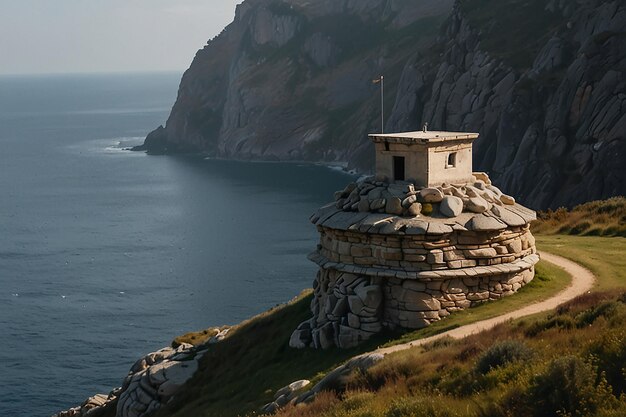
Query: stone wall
pixel 370 281
pixel 426 252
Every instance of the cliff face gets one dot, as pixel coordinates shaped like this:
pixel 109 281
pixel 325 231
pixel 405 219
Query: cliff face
pixel 545 87
pixel 544 84
pixel 292 79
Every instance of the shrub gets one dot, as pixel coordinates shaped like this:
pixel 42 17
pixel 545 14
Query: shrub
pixel 610 356
pixel 584 302
pixel 420 407
pixel 606 310
pixel 559 322
pixel 501 354
pixel 568 386
pixel 595 218
pixel 427 209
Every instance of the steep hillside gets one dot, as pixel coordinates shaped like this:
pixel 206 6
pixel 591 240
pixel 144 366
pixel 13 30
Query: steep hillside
pixel 293 79
pixel 543 82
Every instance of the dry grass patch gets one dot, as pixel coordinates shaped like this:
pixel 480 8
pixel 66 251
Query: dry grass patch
pixel 507 371
pixel 596 218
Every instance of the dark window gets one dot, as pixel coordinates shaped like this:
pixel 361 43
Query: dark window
pixel 451 160
pixel 387 146
pixel 398 168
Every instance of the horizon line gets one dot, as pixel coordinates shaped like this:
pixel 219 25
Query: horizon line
pixel 75 73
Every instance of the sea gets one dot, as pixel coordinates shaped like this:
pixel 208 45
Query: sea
pixel 108 254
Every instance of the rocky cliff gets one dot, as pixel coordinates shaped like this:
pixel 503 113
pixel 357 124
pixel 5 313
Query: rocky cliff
pixel 544 82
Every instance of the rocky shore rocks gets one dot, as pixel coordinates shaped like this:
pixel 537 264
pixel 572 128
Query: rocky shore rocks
pixel 336 380
pixel 151 382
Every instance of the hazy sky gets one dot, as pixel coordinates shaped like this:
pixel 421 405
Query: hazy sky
pixel 69 36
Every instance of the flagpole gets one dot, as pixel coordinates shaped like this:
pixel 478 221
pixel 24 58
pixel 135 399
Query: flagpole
pixel 382 104
pixel 381 80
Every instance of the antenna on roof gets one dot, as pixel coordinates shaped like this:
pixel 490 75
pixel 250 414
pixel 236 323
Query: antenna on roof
pixel 425 127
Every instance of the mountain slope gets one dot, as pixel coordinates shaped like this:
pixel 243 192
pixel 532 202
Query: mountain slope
pixel 543 82
pixel 292 79
pixel 544 85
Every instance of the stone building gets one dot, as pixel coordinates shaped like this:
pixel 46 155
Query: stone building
pixel 421 239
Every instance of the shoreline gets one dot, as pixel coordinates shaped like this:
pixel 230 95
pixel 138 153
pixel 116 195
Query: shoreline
pixel 339 166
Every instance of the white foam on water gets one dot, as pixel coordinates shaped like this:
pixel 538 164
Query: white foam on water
pixel 119 145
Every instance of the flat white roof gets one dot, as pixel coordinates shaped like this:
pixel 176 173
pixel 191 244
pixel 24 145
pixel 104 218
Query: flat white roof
pixel 428 136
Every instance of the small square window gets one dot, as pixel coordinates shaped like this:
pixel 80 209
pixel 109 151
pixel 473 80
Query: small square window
pixel 451 163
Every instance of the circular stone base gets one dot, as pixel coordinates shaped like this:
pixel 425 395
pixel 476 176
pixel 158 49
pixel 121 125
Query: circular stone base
pixel 350 308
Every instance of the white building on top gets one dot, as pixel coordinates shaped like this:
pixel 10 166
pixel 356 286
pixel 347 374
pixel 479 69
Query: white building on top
pixel 427 158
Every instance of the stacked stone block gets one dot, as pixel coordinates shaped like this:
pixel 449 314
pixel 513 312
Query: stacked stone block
pixel 398 269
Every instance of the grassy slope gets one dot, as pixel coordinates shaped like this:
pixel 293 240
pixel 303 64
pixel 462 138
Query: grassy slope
pixel 242 373
pixel 581 348
pixel 596 218
pixel 604 256
pixel 569 363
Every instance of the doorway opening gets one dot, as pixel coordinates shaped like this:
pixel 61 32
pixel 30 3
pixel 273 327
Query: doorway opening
pixel 398 168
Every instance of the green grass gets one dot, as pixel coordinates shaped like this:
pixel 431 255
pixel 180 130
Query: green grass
pixel 241 373
pixel 604 256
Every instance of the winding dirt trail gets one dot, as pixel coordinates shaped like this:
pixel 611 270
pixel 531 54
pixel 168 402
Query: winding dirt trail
pixel 582 281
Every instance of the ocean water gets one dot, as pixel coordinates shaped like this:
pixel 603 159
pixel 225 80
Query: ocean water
pixel 107 254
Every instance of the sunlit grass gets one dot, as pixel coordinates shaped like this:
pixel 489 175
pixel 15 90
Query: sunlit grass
pixel 595 218
pixel 604 256
pixel 572 362
pixel 241 374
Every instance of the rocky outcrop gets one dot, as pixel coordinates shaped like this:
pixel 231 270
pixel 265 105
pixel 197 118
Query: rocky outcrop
pixel 337 380
pixel 151 382
pixel 543 84
pixel 292 79
pixel 552 122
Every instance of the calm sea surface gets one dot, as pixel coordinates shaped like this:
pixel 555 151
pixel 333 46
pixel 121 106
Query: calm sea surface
pixel 106 254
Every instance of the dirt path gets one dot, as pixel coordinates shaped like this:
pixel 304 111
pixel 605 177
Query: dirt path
pixel 582 281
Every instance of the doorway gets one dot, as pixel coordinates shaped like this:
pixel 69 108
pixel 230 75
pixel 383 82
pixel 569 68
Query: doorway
pixel 398 168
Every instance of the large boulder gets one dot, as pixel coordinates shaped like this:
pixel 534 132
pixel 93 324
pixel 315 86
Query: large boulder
pixel 451 206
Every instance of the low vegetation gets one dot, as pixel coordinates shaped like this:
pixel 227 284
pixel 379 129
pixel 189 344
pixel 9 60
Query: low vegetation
pixel 242 373
pixel 571 362
pixel 604 256
pixel 596 218
pixel 532 367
